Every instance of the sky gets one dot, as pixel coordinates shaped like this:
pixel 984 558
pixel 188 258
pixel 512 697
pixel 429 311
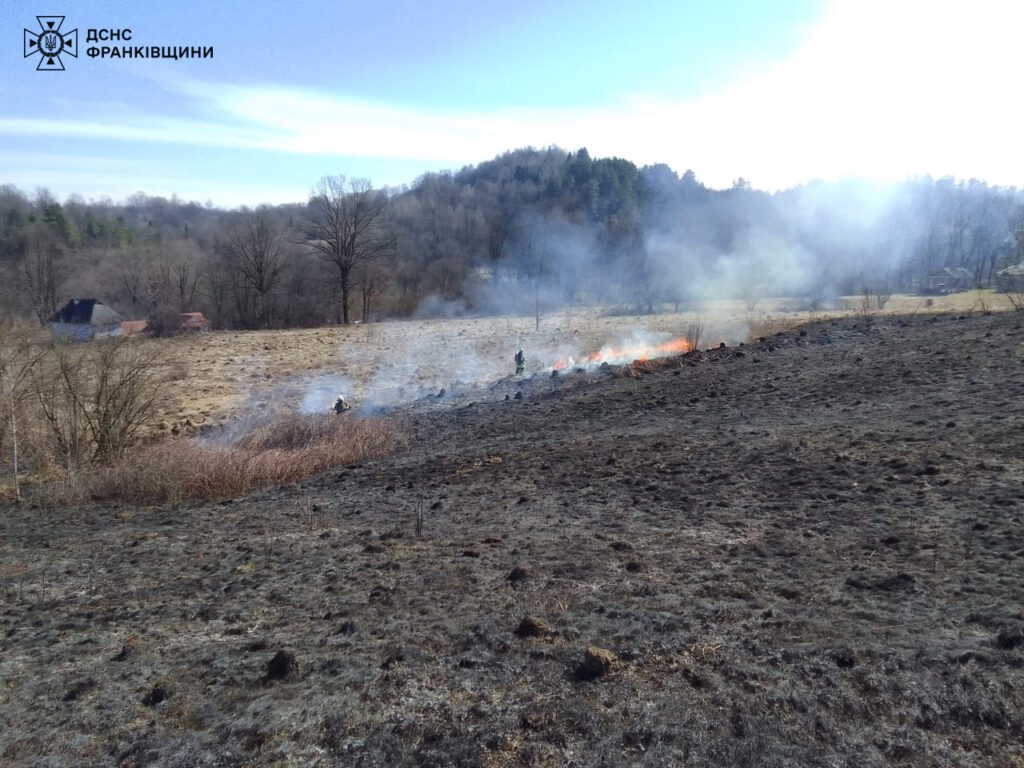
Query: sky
pixel 780 93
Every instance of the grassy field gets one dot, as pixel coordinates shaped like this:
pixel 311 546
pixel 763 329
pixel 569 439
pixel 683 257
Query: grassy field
pixel 228 375
pixel 227 384
pixel 805 551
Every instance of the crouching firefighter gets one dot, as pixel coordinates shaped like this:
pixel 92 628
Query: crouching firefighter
pixel 341 405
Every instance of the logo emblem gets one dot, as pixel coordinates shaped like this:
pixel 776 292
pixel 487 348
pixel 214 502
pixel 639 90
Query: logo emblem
pixel 51 43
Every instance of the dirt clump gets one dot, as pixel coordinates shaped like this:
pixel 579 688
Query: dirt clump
pixel 898 582
pixel 519 574
pixel 531 626
pixel 1010 637
pixel 597 662
pixel 282 666
pixel 155 695
pixel 844 657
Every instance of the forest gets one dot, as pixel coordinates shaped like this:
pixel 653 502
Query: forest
pixel 530 230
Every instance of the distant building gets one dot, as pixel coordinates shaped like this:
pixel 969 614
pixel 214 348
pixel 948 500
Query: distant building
pixel 947 280
pixel 1011 279
pixel 82 319
pixel 193 321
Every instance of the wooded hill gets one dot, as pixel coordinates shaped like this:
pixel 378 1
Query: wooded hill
pixel 529 229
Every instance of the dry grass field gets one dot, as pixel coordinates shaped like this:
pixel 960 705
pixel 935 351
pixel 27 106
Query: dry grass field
pixel 801 550
pixel 226 376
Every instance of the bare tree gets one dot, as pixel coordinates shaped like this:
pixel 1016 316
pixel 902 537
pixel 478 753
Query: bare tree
pixel 883 292
pixel 865 301
pixel 216 286
pixel 100 395
pixel 1016 227
pixel 157 285
pixel 185 273
pixel 498 231
pixel 529 243
pixel 645 282
pixel 186 279
pixel 346 220
pixel 19 352
pixel 130 278
pixel 59 373
pixel 372 278
pixel 42 272
pixel 255 252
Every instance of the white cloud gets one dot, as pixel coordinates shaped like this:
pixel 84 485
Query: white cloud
pixel 95 178
pixel 877 89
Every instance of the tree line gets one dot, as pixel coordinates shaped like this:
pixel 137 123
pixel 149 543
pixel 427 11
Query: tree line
pixel 531 227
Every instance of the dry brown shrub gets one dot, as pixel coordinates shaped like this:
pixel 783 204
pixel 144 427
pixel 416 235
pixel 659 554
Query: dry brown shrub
pixel 295 432
pixel 24 448
pixel 694 331
pixel 283 451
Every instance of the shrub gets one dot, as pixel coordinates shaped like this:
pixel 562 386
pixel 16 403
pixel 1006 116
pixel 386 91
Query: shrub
pixel 97 398
pixel 285 450
pixel 694 331
pixel 19 436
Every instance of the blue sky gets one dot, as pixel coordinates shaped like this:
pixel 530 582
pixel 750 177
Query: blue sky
pixel 780 93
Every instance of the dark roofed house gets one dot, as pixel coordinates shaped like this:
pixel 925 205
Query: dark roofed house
pixel 84 319
pixel 947 280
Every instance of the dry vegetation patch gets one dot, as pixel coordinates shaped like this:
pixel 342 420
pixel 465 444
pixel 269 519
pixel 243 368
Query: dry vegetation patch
pixel 83 420
pixel 64 405
pixel 282 451
pixel 68 405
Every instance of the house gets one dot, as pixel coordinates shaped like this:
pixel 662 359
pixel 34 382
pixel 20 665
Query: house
pixel 82 319
pixel 1011 279
pixel 947 280
pixel 193 321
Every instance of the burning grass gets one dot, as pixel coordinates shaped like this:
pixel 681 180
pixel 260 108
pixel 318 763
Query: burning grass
pixel 629 353
pixel 285 450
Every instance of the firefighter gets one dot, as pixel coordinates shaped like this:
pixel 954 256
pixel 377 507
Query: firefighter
pixel 341 405
pixel 520 363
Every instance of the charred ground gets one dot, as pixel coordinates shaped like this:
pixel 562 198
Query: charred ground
pixel 804 551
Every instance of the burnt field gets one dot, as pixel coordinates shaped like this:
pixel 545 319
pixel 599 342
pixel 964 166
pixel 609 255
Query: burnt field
pixel 808 551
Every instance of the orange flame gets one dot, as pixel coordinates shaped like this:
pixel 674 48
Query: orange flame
pixel 634 352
